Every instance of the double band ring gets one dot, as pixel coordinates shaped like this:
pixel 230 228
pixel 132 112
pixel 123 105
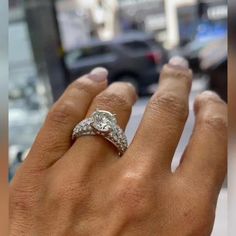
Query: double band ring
pixel 102 123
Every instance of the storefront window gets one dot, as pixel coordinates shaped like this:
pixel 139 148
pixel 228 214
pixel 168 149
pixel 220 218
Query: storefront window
pixel 26 105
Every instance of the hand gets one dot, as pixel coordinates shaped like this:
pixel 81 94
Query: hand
pixel 84 188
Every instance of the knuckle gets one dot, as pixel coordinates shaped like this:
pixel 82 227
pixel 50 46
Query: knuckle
pixel 198 215
pixel 22 199
pixel 64 190
pixel 110 99
pixel 61 112
pixel 211 111
pixel 133 195
pixel 50 144
pixel 61 193
pixel 82 85
pixel 19 204
pixel 201 225
pixel 171 104
pixel 205 218
pixel 214 122
pixel 169 72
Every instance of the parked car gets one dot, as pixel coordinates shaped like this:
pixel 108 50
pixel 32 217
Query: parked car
pixel 134 57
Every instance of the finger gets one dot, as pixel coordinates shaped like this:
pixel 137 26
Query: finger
pixel 54 139
pixel 165 116
pixel 118 99
pixel 205 159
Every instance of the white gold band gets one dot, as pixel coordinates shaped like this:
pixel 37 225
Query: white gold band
pixel 102 123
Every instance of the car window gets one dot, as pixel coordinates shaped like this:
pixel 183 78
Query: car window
pixel 92 51
pixel 136 45
pixel 153 42
pixel 88 52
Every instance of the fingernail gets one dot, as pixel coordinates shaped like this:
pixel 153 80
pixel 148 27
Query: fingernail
pixel 135 92
pixel 179 61
pixel 210 95
pixel 99 74
pixel 204 98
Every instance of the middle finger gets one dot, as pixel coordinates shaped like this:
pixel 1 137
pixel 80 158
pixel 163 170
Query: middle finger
pixel 164 119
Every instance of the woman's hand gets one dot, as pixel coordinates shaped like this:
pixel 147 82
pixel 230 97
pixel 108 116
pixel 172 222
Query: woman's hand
pixel 84 189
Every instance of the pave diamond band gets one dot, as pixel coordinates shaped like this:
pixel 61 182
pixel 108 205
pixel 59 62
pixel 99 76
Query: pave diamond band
pixel 105 124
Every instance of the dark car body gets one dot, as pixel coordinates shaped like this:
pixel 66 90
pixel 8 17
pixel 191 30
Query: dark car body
pixel 214 63
pixel 218 78
pixel 136 58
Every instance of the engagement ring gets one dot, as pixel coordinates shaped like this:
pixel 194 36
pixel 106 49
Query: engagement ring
pixel 102 123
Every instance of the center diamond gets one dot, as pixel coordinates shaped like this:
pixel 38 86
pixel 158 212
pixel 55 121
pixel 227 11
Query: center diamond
pixel 103 121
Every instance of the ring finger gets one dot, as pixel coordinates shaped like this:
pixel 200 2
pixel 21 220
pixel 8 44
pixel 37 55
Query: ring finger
pixel 117 99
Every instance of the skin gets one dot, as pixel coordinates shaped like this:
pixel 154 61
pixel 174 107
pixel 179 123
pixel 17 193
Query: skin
pixel 84 188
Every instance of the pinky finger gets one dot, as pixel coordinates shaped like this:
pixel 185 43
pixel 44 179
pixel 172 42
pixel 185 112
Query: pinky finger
pixel 205 159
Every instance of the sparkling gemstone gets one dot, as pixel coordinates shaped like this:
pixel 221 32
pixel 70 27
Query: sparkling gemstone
pixel 103 121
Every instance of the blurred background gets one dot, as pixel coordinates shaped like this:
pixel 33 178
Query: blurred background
pixel 232 119
pixel 52 42
pixel 3 117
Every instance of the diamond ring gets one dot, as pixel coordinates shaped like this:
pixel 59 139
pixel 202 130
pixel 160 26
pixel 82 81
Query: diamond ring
pixel 102 123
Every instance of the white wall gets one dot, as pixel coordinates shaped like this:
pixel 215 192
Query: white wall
pixel 172 20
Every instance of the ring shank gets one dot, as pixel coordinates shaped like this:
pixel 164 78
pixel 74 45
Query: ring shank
pixel 116 136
